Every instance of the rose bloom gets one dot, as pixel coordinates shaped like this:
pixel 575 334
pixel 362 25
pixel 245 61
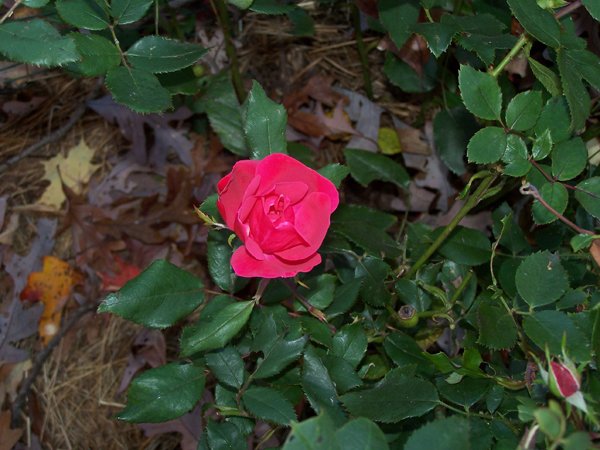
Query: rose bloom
pixel 280 210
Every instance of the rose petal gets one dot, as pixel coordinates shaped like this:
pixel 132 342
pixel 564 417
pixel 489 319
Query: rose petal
pixel 254 249
pixel 311 222
pixel 293 190
pixel 232 187
pixel 279 168
pixel 272 237
pixel 244 265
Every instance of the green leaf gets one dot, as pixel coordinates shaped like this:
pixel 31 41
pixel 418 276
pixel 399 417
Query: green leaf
pixel 438 35
pixel 465 393
pixel 403 350
pixel 593 8
pixel 546 76
pixel 129 11
pixel 158 297
pixel 278 356
pixel 398 19
pixel 270 7
pixel 36 42
pixel 139 90
pixel 158 54
pixel 538 22
pixel 350 343
pixel 406 78
pixel 182 81
pixel 221 105
pixel 524 110
pixel 555 118
pixel 467 246
pixel 227 366
pixel 334 173
pixel 451 433
pixel 480 93
pixel 575 92
pixel 365 227
pixel 224 436
pixel 485 45
pixel 218 332
pixel 395 398
pixel 98 55
pixel 546 329
pixel 549 421
pixel 588 194
pixel 219 262
pixel 373 272
pixel 452 130
pixel 163 393
pixel 497 329
pixel 361 434
pixel 269 404
pixel 303 23
pixel 581 241
pixel 586 63
pixel 317 384
pixel 487 146
pixel 569 159
pixel 342 373
pixel 264 124
pixel 557 196
pixel 320 290
pixel 542 146
pixel 316 433
pixel 516 157
pixel 541 279
pixel 366 167
pixel 88 14
pixel 242 4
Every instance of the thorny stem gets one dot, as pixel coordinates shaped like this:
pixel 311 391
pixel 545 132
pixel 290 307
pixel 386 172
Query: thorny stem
pixel 529 189
pixel 510 55
pixel 317 313
pixel 10 11
pixel 362 51
pixel 566 185
pixel 524 39
pixel 117 43
pixel 471 202
pixel 223 18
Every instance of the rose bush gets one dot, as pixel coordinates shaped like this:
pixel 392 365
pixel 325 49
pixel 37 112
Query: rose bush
pixel 280 209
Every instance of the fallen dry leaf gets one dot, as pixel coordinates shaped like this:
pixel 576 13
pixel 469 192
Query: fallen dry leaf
pixel 595 251
pixel 52 286
pixel 15 324
pixel 8 436
pixel 74 171
pixel 11 376
pixel 120 274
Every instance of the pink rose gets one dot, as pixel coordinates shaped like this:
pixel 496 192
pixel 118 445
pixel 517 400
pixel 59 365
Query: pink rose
pixel 564 379
pixel 280 210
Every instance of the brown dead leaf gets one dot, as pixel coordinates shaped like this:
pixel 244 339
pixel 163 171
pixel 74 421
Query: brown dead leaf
pixel 74 171
pixel 149 348
pixel 52 286
pixel 595 251
pixel 11 376
pixel 8 436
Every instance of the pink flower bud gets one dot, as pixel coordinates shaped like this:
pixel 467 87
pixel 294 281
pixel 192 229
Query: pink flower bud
pixel 564 380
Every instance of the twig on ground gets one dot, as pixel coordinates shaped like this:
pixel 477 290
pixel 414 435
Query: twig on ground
pixel 54 136
pixel 40 359
pixel 10 11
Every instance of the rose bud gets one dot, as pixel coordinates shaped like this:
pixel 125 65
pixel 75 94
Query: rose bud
pixel 280 209
pixel 563 379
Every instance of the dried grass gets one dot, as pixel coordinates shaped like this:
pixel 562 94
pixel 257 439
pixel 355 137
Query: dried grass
pixel 78 385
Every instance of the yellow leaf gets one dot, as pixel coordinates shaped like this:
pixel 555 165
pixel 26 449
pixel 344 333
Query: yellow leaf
pixel 75 169
pixel 388 141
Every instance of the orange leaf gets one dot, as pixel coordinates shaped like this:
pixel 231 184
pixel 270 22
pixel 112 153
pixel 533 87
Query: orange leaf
pixel 52 286
pixel 121 274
